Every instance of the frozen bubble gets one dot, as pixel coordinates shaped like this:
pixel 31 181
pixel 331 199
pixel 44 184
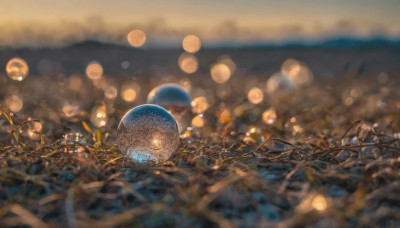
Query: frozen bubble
pixel 176 100
pixel 17 69
pixel 148 134
pixel 279 82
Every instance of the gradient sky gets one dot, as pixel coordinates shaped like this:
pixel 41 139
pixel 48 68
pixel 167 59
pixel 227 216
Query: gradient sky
pixel 59 22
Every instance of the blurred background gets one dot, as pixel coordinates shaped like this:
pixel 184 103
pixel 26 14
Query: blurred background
pixel 332 37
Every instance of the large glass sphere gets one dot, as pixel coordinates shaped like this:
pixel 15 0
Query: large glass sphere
pixel 176 100
pixel 148 134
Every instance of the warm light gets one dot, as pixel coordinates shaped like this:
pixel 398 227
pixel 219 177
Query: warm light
pixel 255 95
pixel 188 63
pixel 94 70
pixel 191 44
pixel 157 144
pixel 186 84
pixel 199 104
pixel 220 73
pixel 319 203
pixel 14 103
pixel 111 92
pixel 17 69
pixel 75 82
pixel 297 71
pixel 223 115
pixel 99 116
pixel 198 121
pixel 136 38
pixel 269 116
pixel 70 110
pixel 293 119
pixel 129 95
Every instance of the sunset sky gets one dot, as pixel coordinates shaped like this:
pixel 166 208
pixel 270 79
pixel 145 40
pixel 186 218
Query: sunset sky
pixel 60 22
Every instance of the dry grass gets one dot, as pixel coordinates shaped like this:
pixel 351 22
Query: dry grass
pixel 220 176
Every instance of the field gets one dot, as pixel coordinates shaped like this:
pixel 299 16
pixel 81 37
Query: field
pixel 329 157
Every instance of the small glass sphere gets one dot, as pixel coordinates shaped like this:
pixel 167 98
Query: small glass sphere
pixel 17 69
pixel 148 134
pixel 176 100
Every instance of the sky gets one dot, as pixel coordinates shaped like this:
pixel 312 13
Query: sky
pixel 62 22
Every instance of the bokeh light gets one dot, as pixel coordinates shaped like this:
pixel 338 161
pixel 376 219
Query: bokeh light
pixel 136 38
pixel 17 69
pixel 269 116
pixel 191 44
pixel 220 73
pixel 99 116
pixel 14 102
pixel 319 203
pixel 130 92
pixel 255 95
pixel 188 63
pixel 110 92
pixel 199 104
pixel 94 70
pixel 298 72
pixel 198 121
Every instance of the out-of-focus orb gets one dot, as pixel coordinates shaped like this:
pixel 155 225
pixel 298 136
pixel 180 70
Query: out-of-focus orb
pixel 17 69
pixel 148 134
pixel 129 92
pixel 255 95
pixel 191 44
pixel 269 116
pixel 188 63
pixel 99 116
pixel 298 72
pixel 279 82
pixel 319 203
pixel 176 100
pixel 136 38
pixel 94 70
pixel 198 121
pixel 111 92
pixel 14 103
pixel 200 104
pixel 220 73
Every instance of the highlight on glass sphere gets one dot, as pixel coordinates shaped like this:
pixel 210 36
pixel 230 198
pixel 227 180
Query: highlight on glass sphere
pixel 17 69
pixel 176 100
pixel 148 134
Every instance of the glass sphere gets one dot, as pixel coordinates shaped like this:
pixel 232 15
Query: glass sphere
pixel 176 100
pixel 17 69
pixel 148 134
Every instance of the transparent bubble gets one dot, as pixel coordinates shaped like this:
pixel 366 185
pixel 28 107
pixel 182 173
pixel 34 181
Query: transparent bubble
pixel 17 69
pixel 279 82
pixel 148 134
pixel 176 100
